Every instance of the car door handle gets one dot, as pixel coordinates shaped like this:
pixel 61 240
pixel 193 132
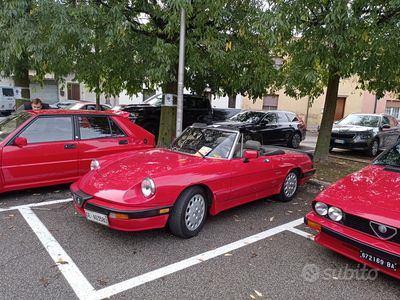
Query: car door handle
pixel 123 142
pixel 266 160
pixel 69 146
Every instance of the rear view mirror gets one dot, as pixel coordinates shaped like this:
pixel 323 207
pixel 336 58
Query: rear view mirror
pixel 20 142
pixel 250 154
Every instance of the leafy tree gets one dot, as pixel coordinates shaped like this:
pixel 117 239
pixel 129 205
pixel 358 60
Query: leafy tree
pixel 128 45
pixel 324 41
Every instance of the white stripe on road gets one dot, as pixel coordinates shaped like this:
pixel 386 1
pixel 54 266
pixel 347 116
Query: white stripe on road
pixel 81 286
pixel 167 270
pixel 35 204
pixel 302 233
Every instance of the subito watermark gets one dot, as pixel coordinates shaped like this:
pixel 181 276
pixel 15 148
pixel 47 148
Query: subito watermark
pixel 312 273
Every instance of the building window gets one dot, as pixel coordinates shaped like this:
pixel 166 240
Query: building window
pixel 270 102
pixel 73 91
pixel 393 111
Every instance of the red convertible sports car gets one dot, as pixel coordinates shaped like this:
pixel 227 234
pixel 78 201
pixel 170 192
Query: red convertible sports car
pixel 359 216
pixel 206 170
pixel 46 147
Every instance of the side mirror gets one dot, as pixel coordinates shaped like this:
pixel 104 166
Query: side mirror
pixel 385 126
pixel 249 154
pixel 336 122
pixel 20 142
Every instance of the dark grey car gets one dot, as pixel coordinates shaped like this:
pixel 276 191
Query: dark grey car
pixel 369 132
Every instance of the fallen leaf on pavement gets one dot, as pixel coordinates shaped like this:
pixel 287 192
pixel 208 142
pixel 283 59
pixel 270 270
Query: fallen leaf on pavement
pixel 228 254
pixel 61 261
pixel 271 219
pixel 258 293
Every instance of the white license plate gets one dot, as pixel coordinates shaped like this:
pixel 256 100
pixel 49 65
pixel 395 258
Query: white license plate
pixel 339 141
pixel 96 217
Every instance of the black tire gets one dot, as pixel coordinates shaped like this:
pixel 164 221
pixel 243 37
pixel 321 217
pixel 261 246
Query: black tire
pixel 295 140
pixel 289 187
pixel 180 223
pixel 373 148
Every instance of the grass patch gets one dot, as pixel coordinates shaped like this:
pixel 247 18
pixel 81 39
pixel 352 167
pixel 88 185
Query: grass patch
pixel 333 169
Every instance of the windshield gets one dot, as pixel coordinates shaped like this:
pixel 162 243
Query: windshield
pixel 248 117
pixel 11 123
pixel 205 142
pixel 155 100
pixel 390 158
pixel 361 120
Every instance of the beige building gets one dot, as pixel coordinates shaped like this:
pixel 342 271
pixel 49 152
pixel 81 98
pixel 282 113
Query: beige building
pixel 350 100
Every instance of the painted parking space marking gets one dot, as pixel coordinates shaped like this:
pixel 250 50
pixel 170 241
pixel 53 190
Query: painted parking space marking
pixel 35 204
pixel 186 263
pixel 83 288
pixel 302 233
pixel 67 267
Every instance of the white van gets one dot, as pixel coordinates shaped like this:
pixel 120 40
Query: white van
pixel 7 100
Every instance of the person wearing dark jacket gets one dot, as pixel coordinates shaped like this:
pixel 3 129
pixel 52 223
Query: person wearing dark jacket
pixel 36 104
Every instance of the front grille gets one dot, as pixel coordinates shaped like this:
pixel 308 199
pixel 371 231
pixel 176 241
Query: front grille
pixel 363 225
pixel 343 135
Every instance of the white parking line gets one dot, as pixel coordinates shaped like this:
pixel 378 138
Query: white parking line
pixel 186 263
pixel 302 233
pixel 81 286
pixel 35 204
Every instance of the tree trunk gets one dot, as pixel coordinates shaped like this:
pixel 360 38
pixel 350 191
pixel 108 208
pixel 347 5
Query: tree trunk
pixel 232 101
pixel 324 136
pixel 21 79
pixel 167 129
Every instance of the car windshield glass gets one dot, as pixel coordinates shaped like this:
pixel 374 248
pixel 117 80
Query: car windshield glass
pixel 155 100
pixel 248 117
pixel 205 142
pixel 11 123
pixel 361 120
pixel 390 158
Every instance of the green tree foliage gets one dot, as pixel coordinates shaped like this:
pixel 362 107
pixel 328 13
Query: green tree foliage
pixel 326 40
pixel 130 45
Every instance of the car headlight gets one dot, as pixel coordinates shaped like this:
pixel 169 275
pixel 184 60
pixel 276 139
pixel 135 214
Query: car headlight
pixel 148 187
pixel 362 136
pixel 94 164
pixel 321 208
pixel 335 214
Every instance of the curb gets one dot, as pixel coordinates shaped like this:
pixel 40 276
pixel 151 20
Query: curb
pixel 319 183
pixel 350 159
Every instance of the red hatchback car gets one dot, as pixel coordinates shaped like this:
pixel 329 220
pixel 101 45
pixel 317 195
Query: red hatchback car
pixel 39 148
pixel 206 170
pixel 359 216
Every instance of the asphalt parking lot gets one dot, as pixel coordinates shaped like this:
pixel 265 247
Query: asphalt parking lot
pixel 256 251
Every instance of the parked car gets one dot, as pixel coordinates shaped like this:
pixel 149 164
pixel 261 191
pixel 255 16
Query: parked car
pixel 195 109
pixel 368 132
pixel 87 106
pixel 223 114
pixel 46 147
pixel 205 171
pixel 274 127
pixel 63 104
pixel 359 216
pixel 7 100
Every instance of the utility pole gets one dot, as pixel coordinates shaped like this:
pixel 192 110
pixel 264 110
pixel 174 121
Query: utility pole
pixel 181 73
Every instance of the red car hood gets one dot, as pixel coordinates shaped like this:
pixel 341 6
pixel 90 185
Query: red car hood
pixel 371 193
pixel 119 180
pixel 147 163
